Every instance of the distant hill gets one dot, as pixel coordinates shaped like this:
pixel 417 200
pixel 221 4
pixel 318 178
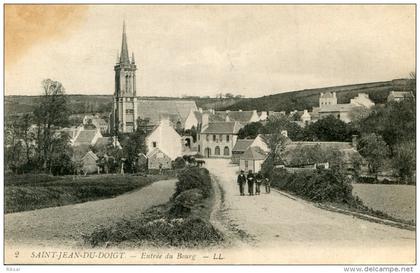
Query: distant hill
pixel 101 103
pixel 287 101
pixel 308 98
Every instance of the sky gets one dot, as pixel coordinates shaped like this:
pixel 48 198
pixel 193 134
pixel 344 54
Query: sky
pixel 205 50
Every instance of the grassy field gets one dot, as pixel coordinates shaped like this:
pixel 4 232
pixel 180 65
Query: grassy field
pixel 34 191
pixel 398 201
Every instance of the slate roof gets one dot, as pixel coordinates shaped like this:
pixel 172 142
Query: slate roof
pixel 344 148
pixel 240 116
pixel 91 155
pixel 154 151
pixel 400 94
pixel 85 137
pixel 254 153
pixel 242 144
pixel 222 128
pixel 337 108
pixel 177 110
pixel 327 95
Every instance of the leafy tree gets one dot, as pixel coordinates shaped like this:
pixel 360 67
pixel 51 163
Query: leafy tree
pixel 395 122
pixel 404 160
pixel 374 149
pixel 330 129
pixel 250 130
pixel 133 144
pixel 51 113
pixel 277 124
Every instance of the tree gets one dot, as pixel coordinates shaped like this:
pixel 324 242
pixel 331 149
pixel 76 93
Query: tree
pixel 374 149
pixel 51 113
pixel 330 129
pixel 61 155
pixel 250 130
pixel 282 123
pixel 133 144
pixel 404 160
pixel 395 122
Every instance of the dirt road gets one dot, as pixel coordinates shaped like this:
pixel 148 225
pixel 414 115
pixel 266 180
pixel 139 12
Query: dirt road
pixel 63 226
pixel 276 221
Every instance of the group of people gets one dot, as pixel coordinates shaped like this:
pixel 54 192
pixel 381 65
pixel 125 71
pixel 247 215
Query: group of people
pixel 250 179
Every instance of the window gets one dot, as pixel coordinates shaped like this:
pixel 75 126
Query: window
pixel 246 164
pixel 220 137
pixel 198 136
pixel 226 151
pixel 154 144
pixel 227 138
pixel 129 111
pixel 217 150
pixel 214 137
pixel 207 138
pixel 199 148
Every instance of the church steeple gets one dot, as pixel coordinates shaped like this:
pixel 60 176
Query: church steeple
pixel 124 58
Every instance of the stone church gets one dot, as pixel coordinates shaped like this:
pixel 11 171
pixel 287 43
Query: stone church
pixel 129 110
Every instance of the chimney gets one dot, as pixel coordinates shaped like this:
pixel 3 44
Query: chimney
pixel 227 119
pixel 212 111
pixel 354 141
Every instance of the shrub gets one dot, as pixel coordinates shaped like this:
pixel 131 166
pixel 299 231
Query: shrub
pixel 178 163
pixel 323 185
pixel 193 178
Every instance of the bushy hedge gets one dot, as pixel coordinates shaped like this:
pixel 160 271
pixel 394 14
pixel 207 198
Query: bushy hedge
pixel 322 185
pixel 193 178
pixel 183 221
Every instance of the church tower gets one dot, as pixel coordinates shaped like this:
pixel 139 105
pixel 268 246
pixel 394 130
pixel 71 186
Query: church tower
pixel 125 97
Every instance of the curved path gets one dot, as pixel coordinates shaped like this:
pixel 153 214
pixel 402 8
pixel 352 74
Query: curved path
pixel 297 231
pixel 64 226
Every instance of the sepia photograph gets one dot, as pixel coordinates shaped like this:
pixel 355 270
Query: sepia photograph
pixel 210 134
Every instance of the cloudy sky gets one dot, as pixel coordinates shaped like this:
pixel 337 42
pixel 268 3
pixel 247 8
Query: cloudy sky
pixel 204 50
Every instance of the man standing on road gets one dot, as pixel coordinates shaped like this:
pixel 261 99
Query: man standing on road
pixel 258 182
pixel 267 185
pixel 250 179
pixel 241 181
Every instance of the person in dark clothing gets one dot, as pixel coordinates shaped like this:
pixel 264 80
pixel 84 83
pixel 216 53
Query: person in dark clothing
pixel 267 184
pixel 250 178
pixel 241 182
pixel 258 182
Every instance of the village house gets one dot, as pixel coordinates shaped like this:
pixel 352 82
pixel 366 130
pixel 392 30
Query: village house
pixel 96 121
pixel 194 119
pixel 252 159
pixel 166 139
pixel 217 139
pixel 128 108
pixel 158 160
pixel 292 159
pixel 328 106
pixel 398 96
pixel 243 144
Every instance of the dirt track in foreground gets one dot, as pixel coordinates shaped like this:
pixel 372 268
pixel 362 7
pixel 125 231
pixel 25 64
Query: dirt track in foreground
pixel 64 226
pixel 275 220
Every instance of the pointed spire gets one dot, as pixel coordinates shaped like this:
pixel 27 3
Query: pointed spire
pixel 132 58
pixel 124 58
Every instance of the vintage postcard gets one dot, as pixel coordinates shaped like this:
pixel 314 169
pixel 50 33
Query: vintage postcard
pixel 210 134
